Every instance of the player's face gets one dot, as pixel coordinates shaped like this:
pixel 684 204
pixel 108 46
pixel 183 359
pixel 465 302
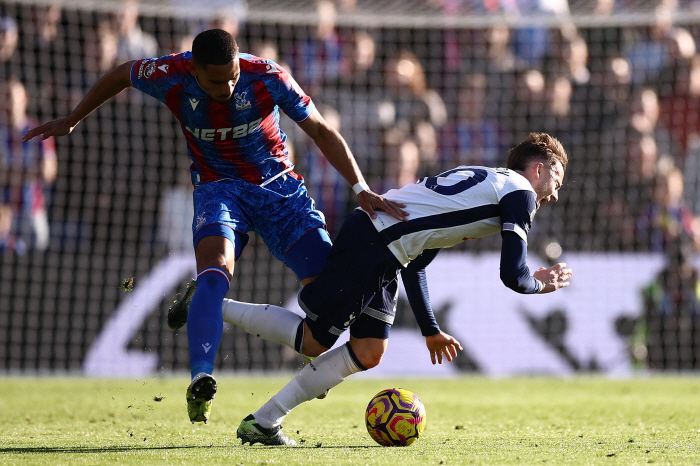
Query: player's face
pixel 549 183
pixel 217 80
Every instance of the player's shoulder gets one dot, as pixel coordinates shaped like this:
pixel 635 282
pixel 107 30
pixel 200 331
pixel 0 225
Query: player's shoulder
pixel 175 63
pixel 259 66
pixel 167 66
pixel 509 180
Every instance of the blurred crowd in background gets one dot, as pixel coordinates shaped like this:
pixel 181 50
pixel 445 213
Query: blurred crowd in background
pixel 624 99
pixel 410 102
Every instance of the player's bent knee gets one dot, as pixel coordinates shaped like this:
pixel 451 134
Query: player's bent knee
pixel 369 351
pixel 371 360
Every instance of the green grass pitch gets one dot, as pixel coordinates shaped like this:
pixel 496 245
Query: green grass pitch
pixel 471 420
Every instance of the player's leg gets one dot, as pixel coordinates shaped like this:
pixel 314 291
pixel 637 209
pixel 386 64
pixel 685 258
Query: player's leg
pixel 367 345
pixel 358 267
pixel 296 235
pixel 274 323
pixel 369 334
pixel 382 307
pixel 267 321
pixel 217 218
pixel 177 314
pixel 369 351
pixel 321 374
pixel 308 255
pixel 215 266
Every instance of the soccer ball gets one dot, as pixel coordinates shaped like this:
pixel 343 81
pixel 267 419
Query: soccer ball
pixel 395 417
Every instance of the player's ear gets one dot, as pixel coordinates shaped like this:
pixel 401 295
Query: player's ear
pixel 539 169
pixel 534 170
pixel 192 66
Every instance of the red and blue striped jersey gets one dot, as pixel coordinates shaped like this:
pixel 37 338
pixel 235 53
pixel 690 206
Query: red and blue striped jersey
pixel 240 138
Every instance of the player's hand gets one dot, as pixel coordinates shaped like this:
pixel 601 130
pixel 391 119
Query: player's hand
pixel 369 201
pixel 59 127
pixel 554 277
pixel 441 345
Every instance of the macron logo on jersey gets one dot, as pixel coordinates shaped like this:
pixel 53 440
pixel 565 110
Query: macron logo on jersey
pixel 271 69
pixel 193 103
pixel 163 68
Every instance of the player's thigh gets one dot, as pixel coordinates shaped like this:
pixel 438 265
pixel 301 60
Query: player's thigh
pixel 307 256
pixel 358 267
pixel 220 225
pixel 383 305
pixel 288 218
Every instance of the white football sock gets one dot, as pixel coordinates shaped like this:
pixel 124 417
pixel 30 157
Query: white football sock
pixel 321 374
pixel 271 323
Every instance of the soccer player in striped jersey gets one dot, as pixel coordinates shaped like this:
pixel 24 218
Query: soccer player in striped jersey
pixel 369 253
pixel 228 107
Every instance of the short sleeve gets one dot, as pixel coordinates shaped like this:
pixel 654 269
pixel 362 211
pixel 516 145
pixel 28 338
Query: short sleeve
pixel 287 94
pixel 517 209
pixel 155 76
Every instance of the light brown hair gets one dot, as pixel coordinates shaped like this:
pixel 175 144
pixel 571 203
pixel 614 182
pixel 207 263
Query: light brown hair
pixel 537 146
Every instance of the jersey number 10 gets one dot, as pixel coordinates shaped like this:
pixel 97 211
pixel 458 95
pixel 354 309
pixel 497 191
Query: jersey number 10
pixel 478 176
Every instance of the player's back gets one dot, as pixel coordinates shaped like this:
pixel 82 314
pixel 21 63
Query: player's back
pixel 444 210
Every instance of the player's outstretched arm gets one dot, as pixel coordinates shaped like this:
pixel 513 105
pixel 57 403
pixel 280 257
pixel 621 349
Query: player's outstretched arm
pixel 107 87
pixel 336 150
pixel 442 344
pixel 554 277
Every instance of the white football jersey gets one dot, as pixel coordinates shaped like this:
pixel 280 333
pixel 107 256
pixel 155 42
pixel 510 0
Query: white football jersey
pixel 460 204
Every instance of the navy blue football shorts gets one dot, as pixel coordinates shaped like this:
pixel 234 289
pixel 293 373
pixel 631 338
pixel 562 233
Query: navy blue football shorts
pixel 357 288
pixel 282 213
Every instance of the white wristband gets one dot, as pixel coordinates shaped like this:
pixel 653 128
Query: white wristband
pixel 359 187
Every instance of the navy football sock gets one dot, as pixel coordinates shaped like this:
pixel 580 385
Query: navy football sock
pixel 205 323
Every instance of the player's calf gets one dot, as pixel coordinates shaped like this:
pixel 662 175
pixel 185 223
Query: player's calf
pixel 307 360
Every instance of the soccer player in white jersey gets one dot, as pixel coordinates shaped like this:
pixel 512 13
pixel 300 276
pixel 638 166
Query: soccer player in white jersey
pixel 464 203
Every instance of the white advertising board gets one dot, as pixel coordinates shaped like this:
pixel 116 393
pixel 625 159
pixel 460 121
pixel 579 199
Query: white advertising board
pixel 493 323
